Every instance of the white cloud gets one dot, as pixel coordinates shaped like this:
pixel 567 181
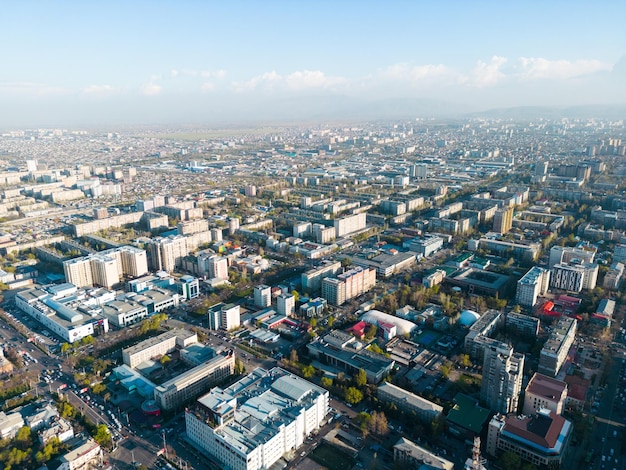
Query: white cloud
pixel 416 73
pixel 150 89
pixel 207 86
pixel 268 79
pixel 295 81
pixel 174 73
pixel 537 68
pixel 485 74
pixel 100 90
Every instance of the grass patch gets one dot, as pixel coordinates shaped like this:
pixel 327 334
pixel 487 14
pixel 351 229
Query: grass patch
pixel 332 458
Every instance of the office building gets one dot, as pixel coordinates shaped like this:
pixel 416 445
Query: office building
pixel 262 296
pixel 10 424
pixel 542 439
pixel 188 287
pixel 257 420
pixel 56 312
pixel 164 343
pixel 574 277
pixel 533 284
pixel 224 317
pixel 503 220
pixel 194 382
pixel 124 313
pixel 566 254
pixel 348 285
pixel 345 352
pixel 556 349
pixel 543 392
pixel 424 410
pixel 503 370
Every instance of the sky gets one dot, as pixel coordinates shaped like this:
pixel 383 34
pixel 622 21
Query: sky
pixel 180 62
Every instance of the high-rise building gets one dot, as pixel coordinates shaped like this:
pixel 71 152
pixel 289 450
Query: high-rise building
pixel 262 296
pixel 350 224
pixel 534 283
pixel 348 285
pixel 556 349
pixel 104 271
pixel 167 253
pixel 286 305
pixel 78 272
pixel 312 279
pixel 503 220
pixel 218 267
pixel 224 316
pixel 503 370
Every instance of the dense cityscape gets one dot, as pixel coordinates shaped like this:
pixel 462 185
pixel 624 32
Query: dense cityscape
pixel 410 293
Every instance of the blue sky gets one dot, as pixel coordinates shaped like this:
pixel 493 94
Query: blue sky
pixel 153 61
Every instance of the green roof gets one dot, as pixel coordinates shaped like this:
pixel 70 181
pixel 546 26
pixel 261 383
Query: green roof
pixel 468 414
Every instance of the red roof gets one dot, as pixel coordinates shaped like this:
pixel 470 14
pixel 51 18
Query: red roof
pixel 539 429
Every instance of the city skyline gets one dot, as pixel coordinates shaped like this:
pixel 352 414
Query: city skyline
pixel 204 62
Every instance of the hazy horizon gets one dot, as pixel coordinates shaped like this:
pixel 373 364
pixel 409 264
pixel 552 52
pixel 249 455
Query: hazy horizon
pixel 160 63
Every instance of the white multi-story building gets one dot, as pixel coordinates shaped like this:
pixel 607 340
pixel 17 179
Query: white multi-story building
pixel 565 254
pixel 106 268
pixel 224 317
pixel 190 384
pixel 534 283
pixel 218 267
pixel 574 277
pixel 256 421
pixel 61 319
pixel 262 296
pixel 286 304
pixel 349 225
pixel 503 370
pixel 348 285
pixel 312 279
pixel 167 253
pixel 157 346
pixel 78 272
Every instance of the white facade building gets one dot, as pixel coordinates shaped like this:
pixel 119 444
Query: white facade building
pixel 254 422
pixel 534 283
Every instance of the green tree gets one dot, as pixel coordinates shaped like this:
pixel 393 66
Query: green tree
pixel 98 388
pixel 239 367
pixel 360 378
pixel 510 460
pixel 102 435
pixel 23 439
pixel 331 321
pixel 67 410
pixel 308 371
pixel 65 347
pixel 326 382
pixel 353 395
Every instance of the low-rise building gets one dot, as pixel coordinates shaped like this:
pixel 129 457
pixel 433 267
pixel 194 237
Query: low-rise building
pixel 408 402
pixel 10 424
pixel 407 454
pixel 345 352
pixel 86 455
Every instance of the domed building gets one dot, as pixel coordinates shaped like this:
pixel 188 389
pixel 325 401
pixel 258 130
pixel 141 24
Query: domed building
pixel 468 318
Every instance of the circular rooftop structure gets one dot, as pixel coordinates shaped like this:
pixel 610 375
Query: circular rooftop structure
pixel 468 318
pixel 150 408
